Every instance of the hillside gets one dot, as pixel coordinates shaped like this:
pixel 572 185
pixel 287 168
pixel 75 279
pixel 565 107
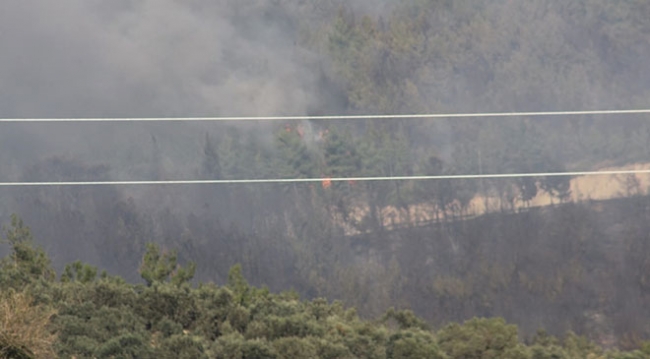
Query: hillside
pixel 85 315
pixel 579 267
pixel 559 252
pixel 581 188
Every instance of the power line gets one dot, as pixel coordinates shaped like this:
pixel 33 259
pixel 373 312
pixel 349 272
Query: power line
pixel 334 117
pixel 312 180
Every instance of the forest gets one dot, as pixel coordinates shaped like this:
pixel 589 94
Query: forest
pixel 538 252
pixel 82 314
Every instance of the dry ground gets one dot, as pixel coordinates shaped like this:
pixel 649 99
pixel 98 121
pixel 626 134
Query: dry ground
pixel 600 187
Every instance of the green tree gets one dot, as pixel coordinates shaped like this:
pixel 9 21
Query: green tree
pixel 160 266
pixel 78 271
pixel 26 263
pixel 480 339
pixel 413 343
pixel 295 159
pixel 341 159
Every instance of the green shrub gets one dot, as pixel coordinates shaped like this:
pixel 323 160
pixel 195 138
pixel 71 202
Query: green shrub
pixel 331 350
pixel 165 300
pixel 478 338
pixel 25 264
pixel 295 348
pixel 125 346
pixel 182 346
pixel 235 346
pixel 168 327
pixel 413 343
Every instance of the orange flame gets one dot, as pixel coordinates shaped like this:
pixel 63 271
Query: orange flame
pixel 327 183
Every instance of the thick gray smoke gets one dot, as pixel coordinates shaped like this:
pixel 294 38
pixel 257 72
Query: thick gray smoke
pixel 151 58
pixel 147 59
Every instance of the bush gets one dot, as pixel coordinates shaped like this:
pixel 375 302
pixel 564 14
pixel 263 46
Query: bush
pixel 126 346
pixel 235 346
pixel 24 331
pixel 413 343
pixel 182 346
pixel 295 348
pixel 478 338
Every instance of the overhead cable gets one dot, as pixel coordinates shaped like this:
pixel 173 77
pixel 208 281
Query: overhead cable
pixel 333 117
pixel 322 179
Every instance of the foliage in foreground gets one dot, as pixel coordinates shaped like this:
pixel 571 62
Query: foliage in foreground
pixel 24 331
pixel 83 315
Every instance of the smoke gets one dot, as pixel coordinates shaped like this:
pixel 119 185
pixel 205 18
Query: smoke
pixel 153 58
pixel 147 59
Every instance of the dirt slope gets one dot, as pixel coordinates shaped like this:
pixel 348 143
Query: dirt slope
pixel 600 187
